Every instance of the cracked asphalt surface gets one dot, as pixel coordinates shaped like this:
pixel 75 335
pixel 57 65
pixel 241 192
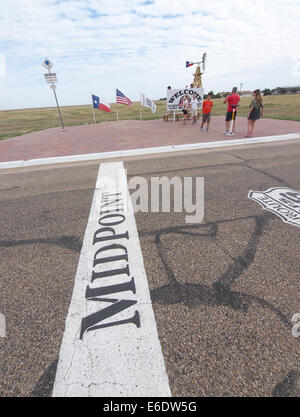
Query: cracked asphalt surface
pixel 223 291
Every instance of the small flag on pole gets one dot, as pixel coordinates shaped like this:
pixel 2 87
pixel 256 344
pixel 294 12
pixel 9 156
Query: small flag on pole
pixel 188 64
pixel 98 105
pixel 122 99
pixel 146 102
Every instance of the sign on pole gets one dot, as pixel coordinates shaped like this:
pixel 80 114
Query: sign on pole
pixel 51 77
pixel 175 97
pixel 47 64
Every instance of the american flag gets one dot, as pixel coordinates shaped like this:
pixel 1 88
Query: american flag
pixel 122 99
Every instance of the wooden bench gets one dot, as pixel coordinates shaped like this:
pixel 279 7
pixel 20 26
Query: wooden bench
pixel 170 116
pixel 178 116
pixel 166 117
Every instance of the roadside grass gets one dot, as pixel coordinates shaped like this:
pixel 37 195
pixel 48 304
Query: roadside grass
pixel 284 107
pixel 19 122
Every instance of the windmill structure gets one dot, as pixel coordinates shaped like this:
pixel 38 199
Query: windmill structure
pixel 197 76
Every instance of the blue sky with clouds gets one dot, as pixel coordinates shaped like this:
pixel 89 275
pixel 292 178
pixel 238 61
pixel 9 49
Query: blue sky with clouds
pixel 142 45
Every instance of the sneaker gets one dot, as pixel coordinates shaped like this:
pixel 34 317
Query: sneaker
pixel 201 129
pixel 225 132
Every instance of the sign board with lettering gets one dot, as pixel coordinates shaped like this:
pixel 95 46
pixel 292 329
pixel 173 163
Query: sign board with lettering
pixel 51 77
pixel 175 97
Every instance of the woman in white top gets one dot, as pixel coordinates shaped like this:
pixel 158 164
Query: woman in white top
pixel 194 106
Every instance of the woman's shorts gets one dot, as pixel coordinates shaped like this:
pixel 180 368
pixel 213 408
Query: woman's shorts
pixel 184 111
pixel 254 115
pixel 194 112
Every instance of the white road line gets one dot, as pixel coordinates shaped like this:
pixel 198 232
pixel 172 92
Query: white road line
pixel 146 151
pixel 110 344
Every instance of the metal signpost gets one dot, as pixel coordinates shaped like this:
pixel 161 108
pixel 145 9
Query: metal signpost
pixel 51 79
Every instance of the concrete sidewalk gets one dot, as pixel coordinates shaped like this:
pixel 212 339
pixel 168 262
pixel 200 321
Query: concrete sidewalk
pixel 128 134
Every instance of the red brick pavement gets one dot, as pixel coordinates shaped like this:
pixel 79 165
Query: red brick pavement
pixel 130 134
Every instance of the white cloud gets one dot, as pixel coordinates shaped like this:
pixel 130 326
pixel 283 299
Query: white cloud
pixel 98 45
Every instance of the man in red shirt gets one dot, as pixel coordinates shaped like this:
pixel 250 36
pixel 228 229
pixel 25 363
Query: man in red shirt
pixel 232 100
pixel 206 110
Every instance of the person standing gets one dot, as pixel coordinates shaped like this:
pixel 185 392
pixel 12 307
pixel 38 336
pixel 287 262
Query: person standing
pixel 232 100
pixel 256 111
pixel 194 106
pixel 185 108
pixel 206 110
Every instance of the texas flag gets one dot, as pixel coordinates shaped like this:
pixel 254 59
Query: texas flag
pixel 188 64
pixel 100 106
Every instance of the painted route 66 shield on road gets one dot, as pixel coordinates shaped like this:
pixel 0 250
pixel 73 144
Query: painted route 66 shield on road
pixel 285 202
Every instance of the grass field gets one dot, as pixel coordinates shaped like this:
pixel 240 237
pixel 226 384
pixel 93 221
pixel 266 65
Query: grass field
pixel 18 122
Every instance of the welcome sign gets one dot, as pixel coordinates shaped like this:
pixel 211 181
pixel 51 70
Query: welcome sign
pixel 175 97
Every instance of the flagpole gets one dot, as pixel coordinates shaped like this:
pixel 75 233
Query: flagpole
pixel 141 102
pixel 93 109
pixel 117 114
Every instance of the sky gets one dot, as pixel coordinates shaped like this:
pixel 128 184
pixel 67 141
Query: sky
pixel 142 45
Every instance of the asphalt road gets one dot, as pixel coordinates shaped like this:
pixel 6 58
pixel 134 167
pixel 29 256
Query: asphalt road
pixel 223 291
